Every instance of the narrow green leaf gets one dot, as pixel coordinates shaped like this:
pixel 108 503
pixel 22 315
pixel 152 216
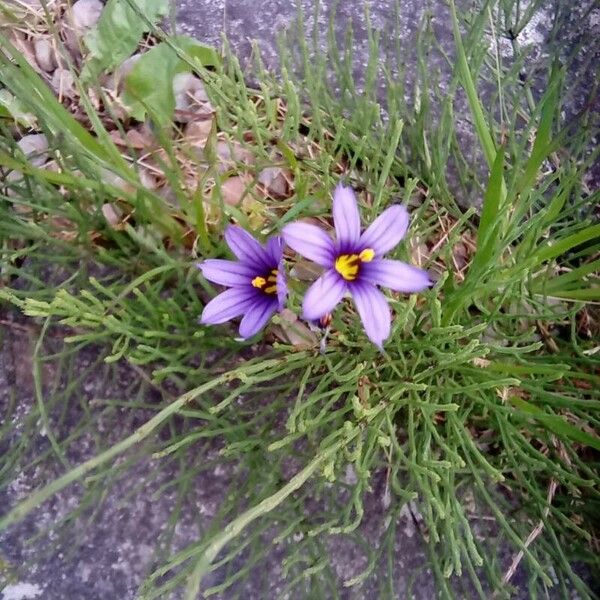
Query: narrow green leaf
pixel 490 220
pixel 483 131
pixel 553 249
pixel 556 423
pixel 543 145
pixel 12 108
pixel 583 294
pixel 562 283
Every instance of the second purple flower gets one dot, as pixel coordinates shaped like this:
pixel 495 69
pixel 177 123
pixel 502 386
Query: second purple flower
pixel 256 282
pixel 354 263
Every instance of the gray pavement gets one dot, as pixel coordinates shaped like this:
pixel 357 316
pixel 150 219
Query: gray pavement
pixel 568 30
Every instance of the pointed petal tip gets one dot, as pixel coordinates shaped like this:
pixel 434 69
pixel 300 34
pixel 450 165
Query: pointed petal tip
pixel 396 275
pixel 246 248
pixel 346 217
pixel 373 310
pixel 228 305
pixel 387 230
pixel 309 241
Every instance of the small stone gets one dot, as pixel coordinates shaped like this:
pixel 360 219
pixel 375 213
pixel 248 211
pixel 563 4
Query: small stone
pixel 274 181
pixel 232 153
pixel 123 70
pixel 113 179
pixel 293 331
pixel 25 47
pixel 190 97
pixel 34 147
pixel 138 138
pixel 113 216
pixel 147 179
pixel 84 14
pixel 196 134
pixel 45 55
pixel 233 189
pixel 63 83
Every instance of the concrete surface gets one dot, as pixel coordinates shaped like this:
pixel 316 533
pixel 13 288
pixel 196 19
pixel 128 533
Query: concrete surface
pixel 105 553
pixel 264 22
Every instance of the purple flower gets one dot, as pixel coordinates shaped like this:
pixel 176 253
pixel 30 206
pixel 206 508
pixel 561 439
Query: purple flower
pixel 354 263
pixel 256 282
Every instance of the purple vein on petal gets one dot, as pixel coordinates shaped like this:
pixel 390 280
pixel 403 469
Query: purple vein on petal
pixel 346 217
pixel 227 272
pixel 246 248
pixel 323 295
pixel 229 304
pixel 274 248
pixel 396 275
pixel 310 241
pixel 386 230
pixel 282 288
pixel 257 316
pixel 374 311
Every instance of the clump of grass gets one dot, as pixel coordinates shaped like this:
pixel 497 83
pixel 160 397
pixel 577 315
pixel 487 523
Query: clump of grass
pixel 484 403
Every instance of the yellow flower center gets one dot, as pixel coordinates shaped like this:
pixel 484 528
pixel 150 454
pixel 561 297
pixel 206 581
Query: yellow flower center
pixel 348 265
pixel 268 285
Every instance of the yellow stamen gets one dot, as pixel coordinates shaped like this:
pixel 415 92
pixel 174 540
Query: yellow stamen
pixel 262 283
pixel 348 265
pixel 367 255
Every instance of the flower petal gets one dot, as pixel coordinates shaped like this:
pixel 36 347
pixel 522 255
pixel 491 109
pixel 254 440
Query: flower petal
pixel 257 316
pixel 282 289
pixel 396 275
pixel 228 305
pixel 310 241
pixel 275 248
pixel 323 295
pixel 227 272
pixel 374 311
pixel 386 230
pixel 247 249
pixel 346 218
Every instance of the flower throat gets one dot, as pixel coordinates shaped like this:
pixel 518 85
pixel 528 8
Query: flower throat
pixel 266 284
pixel 348 265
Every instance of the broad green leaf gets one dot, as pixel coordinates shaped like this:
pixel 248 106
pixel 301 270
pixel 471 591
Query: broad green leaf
pixel 118 32
pixel 583 294
pixel 149 85
pixel 21 79
pixel 490 220
pixel 557 424
pixel 483 131
pixel 553 249
pixel 544 144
